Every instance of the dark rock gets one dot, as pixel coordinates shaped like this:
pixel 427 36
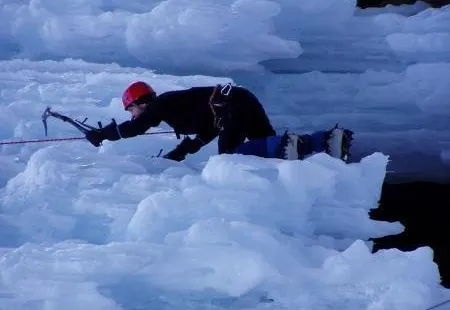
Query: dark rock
pixel 380 3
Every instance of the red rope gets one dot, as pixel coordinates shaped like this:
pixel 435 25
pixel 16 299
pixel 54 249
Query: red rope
pixel 40 140
pixel 159 132
pixel 67 139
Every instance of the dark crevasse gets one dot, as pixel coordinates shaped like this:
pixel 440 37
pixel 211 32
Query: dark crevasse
pixel 424 209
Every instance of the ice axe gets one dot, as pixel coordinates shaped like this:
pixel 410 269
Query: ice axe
pixel 81 126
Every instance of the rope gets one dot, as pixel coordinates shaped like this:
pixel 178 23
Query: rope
pixel 40 140
pixel 67 139
pixel 438 305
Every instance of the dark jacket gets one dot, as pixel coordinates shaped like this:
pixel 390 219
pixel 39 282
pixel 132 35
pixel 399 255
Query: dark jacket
pixel 188 112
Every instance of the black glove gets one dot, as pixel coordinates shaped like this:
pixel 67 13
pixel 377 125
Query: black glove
pixel 109 132
pixel 187 146
pixel 177 154
pixel 95 137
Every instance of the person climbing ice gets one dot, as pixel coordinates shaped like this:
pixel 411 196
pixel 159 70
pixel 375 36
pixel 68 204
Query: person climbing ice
pixel 231 113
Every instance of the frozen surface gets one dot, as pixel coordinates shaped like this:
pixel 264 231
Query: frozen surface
pixel 114 228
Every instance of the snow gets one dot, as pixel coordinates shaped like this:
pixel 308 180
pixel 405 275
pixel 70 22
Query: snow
pixel 116 228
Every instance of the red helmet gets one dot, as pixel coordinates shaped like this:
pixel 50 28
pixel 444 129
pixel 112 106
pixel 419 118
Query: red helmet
pixel 135 92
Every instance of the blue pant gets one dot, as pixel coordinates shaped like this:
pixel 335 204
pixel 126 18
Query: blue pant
pixel 271 147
